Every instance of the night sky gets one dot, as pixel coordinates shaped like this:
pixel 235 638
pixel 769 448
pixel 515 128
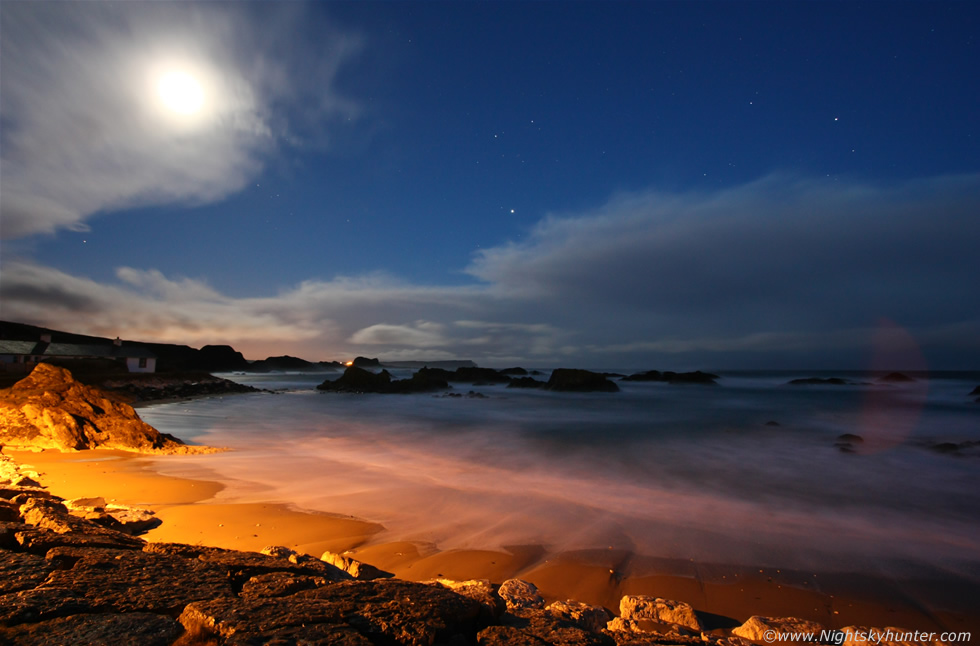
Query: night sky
pixel 590 184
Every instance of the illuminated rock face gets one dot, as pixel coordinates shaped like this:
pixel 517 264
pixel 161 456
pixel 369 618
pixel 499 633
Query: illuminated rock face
pixel 49 409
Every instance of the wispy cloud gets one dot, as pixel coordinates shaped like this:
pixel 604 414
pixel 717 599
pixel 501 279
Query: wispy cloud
pixel 779 270
pixel 83 128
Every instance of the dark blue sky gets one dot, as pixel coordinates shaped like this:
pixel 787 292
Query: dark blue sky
pixel 430 179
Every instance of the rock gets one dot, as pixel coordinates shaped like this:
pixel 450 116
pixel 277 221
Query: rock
pixel 520 372
pixel 221 358
pixel 353 612
pixel 520 594
pixel 244 565
pixel 133 629
pixel 358 570
pixel 526 382
pixel 773 422
pixel 896 378
pixel 364 362
pixel 424 380
pixel 573 380
pixel 591 618
pixel 49 409
pixel 157 387
pixel 757 628
pixel 508 636
pixel 136 581
pixel 85 504
pixel 67 529
pixel 665 611
pixel 481 591
pixel 845 442
pixel 818 381
pixel 282 364
pixel 358 380
pixel 281 584
pixel 945 447
pixel 40 541
pixel 40 604
pixel 539 627
pixel 20 571
pixel 696 377
pixel 890 636
pixel 9 512
pixel 129 520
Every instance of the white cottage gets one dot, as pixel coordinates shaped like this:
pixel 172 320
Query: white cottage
pixel 22 356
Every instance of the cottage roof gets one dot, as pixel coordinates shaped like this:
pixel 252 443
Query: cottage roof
pixel 18 347
pixel 74 350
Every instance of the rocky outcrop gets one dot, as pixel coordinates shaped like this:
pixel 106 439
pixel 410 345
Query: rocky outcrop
pixel 518 594
pixel 365 362
pixel 638 613
pixel 49 409
pixel 221 358
pixel 141 388
pixel 359 380
pixel 696 377
pixel 516 371
pixel 283 364
pixel 355 568
pixel 574 380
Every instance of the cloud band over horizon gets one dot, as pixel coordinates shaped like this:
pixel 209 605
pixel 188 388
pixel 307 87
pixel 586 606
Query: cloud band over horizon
pixel 779 271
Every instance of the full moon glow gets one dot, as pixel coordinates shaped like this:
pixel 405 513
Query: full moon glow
pixel 180 92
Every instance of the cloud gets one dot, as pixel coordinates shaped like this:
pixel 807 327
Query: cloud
pixel 423 334
pixel 85 132
pixel 782 272
pixel 778 254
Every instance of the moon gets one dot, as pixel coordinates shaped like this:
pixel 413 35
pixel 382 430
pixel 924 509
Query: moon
pixel 180 92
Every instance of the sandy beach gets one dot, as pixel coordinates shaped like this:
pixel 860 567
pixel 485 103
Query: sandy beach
pixel 731 594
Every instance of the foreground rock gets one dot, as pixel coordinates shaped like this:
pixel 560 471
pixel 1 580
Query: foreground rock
pixel 574 380
pixel 65 579
pixel 49 409
pixel 638 613
pixel 770 629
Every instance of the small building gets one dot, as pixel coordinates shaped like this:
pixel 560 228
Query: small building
pixel 22 356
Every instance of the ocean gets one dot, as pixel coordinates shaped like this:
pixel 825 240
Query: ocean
pixel 745 472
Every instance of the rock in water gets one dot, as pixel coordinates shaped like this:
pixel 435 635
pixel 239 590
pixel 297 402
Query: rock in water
pixel 359 380
pixel 566 379
pixel 896 378
pixel 49 409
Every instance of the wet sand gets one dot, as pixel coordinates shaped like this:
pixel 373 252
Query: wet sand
pixel 727 594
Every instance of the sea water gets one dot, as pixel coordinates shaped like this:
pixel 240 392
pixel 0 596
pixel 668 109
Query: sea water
pixel 748 471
